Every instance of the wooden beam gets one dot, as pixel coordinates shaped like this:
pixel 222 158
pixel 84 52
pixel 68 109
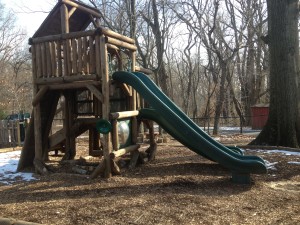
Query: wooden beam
pixel 126 89
pixel 124 151
pixel 121 43
pixel 74 85
pixel 106 104
pixel 125 114
pixel 64 19
pixel 134 159
pixel 110 46
pixel 65 79
pixel 61 37
pixel 95 92
pixel 81 7
pixel 72 11
pixel 115 135
pixel 115 35
pixel 134 92
pixel 38 158
pixel 37 98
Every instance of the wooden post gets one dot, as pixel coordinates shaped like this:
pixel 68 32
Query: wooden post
pixel 105 105
pixel 38 159
pixel 18 133
pixel 115 136
pixel 64 15
pixel 68 124
pixel 133 98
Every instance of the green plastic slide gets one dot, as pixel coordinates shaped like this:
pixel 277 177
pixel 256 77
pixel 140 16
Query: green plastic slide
pixel 156 90
pixel 177 124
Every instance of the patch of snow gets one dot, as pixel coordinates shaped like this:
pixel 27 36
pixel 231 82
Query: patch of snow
pixel 283 152
pixel 293 162
pixel 8 167
pixel 270 166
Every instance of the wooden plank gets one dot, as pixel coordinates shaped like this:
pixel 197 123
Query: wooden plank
pixel 44 62
pixel 38 133
pixel 126 89
pixel 74 56
pixel 63 36
pixel 106 103
pixel 64 19
pixel 95 92
pixel 115 35
pixel 68 79
pixel 92 55
pixel 134 159
pixel 53 58
pixel 110 46
pixel 80 53
pixel 98 57
pixel 59 59
pixel 134 130
pixel 65 59
pixel 84 55
pixel 81 7
pixel 125 114
pixel 72 11
pixel 37 98
pixel 34 61
pixel 134 93
pixel 75 85
pixel 99 169
pixel 69 57
pixel 124 151
pixel 115 135
pixel 48 59
pixel 37 50
pixel 119 43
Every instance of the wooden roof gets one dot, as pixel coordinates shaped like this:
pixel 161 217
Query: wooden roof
pixel 78 21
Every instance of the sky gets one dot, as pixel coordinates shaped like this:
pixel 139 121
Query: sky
pixel 29 13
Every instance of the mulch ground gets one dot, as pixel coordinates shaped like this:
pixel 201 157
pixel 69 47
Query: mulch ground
pixel 179 187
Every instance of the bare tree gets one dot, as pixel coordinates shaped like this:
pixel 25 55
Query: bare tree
pixel 11 41
pixel 11 37
pixel 162 21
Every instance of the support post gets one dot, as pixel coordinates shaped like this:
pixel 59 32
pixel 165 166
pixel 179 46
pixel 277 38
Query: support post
pixel 105 105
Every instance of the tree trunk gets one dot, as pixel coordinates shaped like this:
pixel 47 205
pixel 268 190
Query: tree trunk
pixel 220 97
pixel 283 125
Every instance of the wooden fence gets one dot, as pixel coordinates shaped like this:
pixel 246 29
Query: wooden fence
pixel 12 133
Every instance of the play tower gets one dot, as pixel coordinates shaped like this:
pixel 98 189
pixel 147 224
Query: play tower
pixel 73 58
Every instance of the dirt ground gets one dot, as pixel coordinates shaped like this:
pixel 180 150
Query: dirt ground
pixel 179 187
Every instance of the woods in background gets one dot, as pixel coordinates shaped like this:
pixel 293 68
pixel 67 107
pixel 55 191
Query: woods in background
pixel 208 56
pixel 15 69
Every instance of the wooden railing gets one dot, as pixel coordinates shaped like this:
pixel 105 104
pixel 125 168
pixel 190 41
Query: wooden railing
pixel 67 55
pixel 73 56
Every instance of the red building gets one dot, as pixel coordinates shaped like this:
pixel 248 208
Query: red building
pixel 259 115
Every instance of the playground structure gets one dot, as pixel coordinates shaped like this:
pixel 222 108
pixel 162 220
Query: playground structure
pixel 95 72
pixel 70 61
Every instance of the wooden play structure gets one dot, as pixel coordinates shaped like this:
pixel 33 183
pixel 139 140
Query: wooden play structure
pixel 73 58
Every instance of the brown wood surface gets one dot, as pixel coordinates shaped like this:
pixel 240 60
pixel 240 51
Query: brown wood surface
pixel 124 151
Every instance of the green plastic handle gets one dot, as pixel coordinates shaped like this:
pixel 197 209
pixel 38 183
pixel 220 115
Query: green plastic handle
pixel 103 126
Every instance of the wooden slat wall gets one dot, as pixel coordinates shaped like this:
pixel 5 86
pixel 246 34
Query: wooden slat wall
pixel 76 56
